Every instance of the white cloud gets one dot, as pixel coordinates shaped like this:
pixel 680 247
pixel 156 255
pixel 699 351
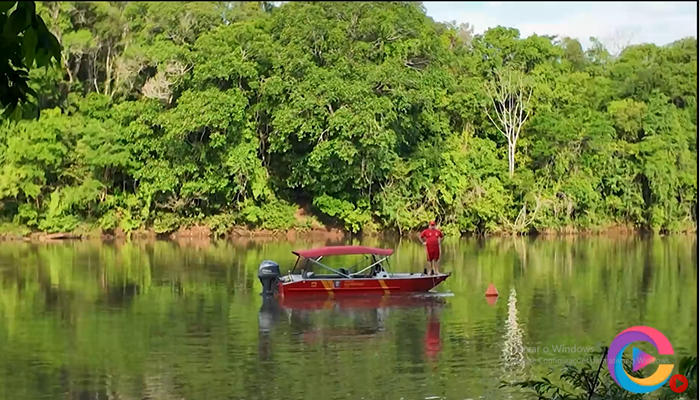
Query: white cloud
pixel 643 22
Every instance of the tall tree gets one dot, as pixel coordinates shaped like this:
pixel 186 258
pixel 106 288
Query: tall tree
pixel 509 95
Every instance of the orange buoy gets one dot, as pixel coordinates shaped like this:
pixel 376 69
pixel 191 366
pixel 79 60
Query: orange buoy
pixel 491 291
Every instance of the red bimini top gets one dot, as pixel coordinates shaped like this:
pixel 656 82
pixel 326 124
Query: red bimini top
pixel 342 251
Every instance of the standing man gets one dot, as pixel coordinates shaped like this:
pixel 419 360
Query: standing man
pixel 431 238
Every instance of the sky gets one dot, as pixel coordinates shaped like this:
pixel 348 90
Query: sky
pixel 614 23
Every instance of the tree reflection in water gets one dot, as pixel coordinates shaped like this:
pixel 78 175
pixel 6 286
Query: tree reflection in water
pixel 142 320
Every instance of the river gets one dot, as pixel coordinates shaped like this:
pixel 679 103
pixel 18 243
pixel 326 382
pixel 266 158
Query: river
pixel 165 320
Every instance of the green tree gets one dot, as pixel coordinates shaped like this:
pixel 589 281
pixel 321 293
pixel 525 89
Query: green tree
pixel 365 116
pixel 24 41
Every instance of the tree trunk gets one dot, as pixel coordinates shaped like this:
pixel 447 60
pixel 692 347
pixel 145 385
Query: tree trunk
pixel 66 63
pixel 108 67
pixel 511 157
pixel 93 69
pixel 55 13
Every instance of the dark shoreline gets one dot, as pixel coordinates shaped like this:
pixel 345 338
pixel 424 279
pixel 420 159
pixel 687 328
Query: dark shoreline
pixel 329 234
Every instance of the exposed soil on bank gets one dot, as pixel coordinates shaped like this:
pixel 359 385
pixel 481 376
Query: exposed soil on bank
pixel 184 234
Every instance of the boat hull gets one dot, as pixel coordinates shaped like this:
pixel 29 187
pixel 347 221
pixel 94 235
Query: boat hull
pixel 361 286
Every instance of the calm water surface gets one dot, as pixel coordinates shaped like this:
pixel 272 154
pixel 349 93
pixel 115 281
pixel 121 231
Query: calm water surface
pixel 163 320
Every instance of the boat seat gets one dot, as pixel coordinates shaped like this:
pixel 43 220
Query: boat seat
pixel 374 271
pixel 307 275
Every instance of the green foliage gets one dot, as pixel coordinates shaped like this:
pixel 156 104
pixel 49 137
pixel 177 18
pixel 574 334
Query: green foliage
pixel 162 114
pixel 24 41
pixel 272 215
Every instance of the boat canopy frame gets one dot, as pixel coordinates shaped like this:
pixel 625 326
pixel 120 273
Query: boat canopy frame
pixel 350 275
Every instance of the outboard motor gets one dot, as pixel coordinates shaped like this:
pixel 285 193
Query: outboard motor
pixel 269 274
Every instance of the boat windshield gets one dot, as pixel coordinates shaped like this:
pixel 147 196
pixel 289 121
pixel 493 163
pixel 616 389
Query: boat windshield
pixel 348 266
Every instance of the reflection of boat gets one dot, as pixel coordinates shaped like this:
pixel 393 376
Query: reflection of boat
pixel 347 324
pixel 367 312
pixel 371 279
pixel 359 302
pixel 359 319
pixel 340 335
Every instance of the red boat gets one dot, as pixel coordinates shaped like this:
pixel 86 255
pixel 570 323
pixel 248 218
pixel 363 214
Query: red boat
pixel 371 279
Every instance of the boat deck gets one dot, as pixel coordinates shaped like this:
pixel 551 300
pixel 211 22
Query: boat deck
pixel 337 277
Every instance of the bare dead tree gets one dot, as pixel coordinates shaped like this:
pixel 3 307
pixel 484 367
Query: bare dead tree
pixel 127 70
pixel 160 86
pixel 510 97
pixel 466 33
pixel 619 40
pixel 157 87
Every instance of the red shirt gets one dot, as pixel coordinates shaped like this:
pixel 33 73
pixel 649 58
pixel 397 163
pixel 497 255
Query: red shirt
pixel 432 236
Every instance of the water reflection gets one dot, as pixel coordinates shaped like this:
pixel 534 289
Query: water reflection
pixel 321 320
pixel 433 341
pixel 367 314
pixel 513 357
pixel 160 320
pixel 269 315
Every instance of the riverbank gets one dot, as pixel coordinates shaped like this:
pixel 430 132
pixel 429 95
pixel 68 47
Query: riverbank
pixel 194 232
pixel 200 232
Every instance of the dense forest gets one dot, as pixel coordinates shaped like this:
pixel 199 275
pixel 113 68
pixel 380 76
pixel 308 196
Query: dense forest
pixel 368 116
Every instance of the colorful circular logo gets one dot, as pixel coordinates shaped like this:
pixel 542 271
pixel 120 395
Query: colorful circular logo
pixel 640 359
